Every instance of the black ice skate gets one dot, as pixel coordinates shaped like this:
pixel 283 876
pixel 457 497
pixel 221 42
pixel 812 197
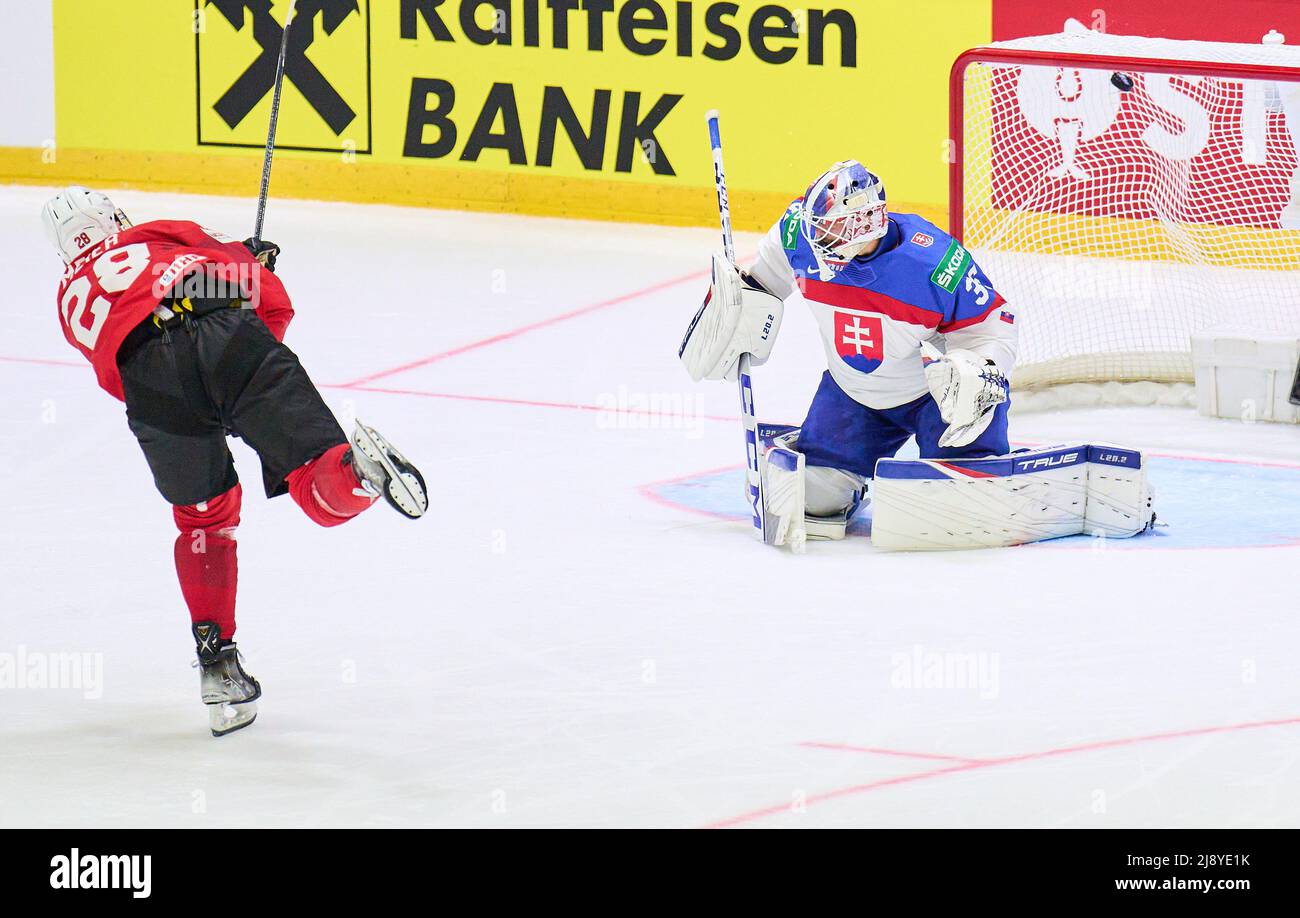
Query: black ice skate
pixel 229 692
pixel 383 470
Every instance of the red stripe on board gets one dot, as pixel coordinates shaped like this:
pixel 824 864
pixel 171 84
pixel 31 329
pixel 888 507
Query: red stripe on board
pixel 977 764
pixel 524 329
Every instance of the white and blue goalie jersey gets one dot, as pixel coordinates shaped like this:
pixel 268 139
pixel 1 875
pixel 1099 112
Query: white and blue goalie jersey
pixel 920 284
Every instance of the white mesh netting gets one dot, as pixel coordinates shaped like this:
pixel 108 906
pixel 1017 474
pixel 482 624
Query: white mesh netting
pixel 1120 219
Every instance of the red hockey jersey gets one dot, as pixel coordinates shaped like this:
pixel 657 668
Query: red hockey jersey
pixel 115 286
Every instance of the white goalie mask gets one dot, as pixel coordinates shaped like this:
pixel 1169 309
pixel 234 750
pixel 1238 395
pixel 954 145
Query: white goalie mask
pixel 844 210
pixel 78 219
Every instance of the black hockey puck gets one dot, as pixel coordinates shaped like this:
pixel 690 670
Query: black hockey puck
pixel 1121 81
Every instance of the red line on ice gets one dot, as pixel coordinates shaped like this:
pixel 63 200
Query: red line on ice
pixel 45 361
pixel 455 396
pixel 528 403
pixel 357 386
pixel 524 329
pixel 876 750
pixel 965 765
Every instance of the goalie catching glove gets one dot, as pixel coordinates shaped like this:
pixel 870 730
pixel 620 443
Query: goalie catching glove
pixel 968 389
pixel 738 317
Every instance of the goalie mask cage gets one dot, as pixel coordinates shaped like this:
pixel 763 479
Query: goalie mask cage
pixel 1123 193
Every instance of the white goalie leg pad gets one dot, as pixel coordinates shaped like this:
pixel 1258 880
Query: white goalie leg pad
pixel 933 504
pixel 830 528
pixel 1120 499
pixel 783 496
pixel 832 497
pixel 829 496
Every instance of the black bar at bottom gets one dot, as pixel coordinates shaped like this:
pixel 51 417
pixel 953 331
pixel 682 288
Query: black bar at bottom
pixel 629 870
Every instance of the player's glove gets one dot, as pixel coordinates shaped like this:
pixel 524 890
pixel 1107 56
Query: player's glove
pixel 738 317
pixel 968 389
pixel 265 253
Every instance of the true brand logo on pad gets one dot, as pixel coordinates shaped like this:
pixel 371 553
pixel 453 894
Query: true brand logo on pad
pixel 1046 462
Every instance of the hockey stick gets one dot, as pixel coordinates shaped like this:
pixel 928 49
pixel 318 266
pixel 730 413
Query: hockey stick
pixel 754 477
pixel 275 118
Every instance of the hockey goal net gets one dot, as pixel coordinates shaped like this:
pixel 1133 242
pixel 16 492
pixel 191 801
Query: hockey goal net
pixel 1124 193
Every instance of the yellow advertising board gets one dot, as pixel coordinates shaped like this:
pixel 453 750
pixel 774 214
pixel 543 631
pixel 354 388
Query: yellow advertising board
pixel 586 108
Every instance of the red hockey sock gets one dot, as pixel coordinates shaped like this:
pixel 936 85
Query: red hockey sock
pixel 326 488
pixel 207 563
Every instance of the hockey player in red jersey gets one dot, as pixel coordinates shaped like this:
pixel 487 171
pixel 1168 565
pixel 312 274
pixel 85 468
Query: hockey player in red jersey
pixel 185 326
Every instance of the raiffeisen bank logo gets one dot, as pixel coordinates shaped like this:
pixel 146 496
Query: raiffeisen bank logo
pixel 327 99
pixel 614 73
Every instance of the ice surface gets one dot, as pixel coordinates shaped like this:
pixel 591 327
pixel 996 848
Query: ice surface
pixel 576 635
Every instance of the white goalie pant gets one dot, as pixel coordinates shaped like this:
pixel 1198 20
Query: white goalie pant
pixel 928 504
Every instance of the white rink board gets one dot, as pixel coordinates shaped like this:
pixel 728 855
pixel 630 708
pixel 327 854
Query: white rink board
pixel 555 645
pixel 27 72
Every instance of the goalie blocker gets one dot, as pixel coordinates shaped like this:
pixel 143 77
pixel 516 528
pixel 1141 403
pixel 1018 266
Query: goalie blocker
pixel 1029 496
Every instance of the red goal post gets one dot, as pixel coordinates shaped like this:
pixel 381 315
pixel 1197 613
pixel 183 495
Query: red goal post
pixel 1123 214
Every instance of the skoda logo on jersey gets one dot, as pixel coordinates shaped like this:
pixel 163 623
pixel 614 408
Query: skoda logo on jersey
pixel 327 62
pixel 859 340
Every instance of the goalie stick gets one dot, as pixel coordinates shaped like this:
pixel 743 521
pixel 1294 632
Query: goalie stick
pixel 275 118
pixel 753 476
